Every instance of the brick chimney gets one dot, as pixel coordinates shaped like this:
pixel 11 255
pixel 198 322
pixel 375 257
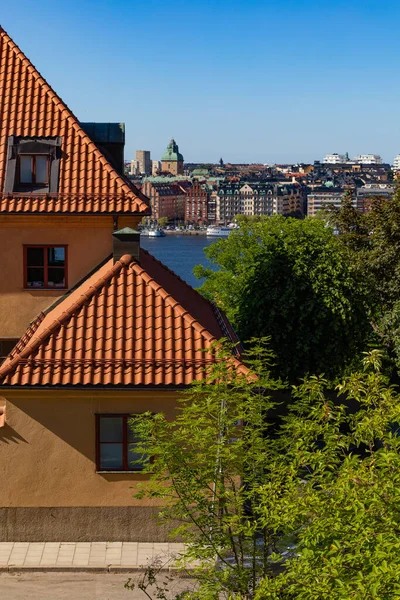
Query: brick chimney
pixel 126 241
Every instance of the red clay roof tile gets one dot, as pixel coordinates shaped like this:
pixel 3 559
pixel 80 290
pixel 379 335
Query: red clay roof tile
pixel 121 327
pixel 30 108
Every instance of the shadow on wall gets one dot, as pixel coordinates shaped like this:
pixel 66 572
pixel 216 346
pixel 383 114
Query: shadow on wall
pixel 8 435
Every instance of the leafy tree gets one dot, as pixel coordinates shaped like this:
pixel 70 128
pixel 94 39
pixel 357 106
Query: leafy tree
pixel 373 242
pixel 208 468
pixel 348 544
pixel 292 281
pixel 163 221
pixel 305 507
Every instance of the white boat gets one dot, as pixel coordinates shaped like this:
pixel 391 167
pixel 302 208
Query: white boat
pixel 153 232
pixel 219 231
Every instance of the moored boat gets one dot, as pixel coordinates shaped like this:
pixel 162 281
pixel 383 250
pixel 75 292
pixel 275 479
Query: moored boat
pixel 218 231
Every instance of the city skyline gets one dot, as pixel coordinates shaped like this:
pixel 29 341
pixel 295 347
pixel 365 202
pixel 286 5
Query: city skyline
pixel 264 82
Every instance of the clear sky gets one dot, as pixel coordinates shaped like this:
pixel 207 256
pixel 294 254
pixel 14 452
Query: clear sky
pixel 252 81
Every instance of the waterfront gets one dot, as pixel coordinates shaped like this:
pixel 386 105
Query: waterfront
pixel 180 253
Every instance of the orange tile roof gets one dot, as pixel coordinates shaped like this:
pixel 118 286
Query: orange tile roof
pixel 30 108
pixel 128 324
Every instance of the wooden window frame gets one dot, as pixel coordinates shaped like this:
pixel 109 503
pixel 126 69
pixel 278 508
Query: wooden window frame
pixel 33 159
pixel 45 267
pixel 125 463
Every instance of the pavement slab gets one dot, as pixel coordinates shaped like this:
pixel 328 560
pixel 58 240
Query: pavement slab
pixel 105 556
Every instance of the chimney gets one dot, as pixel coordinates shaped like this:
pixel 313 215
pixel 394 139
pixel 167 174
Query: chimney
pixel 126 241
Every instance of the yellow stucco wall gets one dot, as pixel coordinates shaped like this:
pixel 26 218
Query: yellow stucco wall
pixel 89 241
pixel 47 447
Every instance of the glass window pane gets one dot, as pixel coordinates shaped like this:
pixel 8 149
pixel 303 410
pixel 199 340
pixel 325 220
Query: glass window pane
pixel 133 456
pixel 56 277
pixel 111 456
pixel 35 257
pixel 132 435
pixel 111 429
pixel 41 169
pixel 25 166
pixel 35 277
pixel 56 257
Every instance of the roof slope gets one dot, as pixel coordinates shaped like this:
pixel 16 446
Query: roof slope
pixel 121 327
pixel 30 108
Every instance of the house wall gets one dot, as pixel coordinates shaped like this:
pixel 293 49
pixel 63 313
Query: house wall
pixel 89 241
pixel 50 490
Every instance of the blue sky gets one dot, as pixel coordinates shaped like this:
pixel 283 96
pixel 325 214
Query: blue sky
pixel 255 81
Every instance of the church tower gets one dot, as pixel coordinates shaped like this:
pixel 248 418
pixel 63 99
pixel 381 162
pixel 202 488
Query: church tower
pixel 172 160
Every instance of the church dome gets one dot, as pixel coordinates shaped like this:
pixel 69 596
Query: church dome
pixel 172 153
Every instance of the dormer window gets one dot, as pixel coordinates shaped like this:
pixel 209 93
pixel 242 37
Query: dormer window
pixel 33 169
pixel 33 165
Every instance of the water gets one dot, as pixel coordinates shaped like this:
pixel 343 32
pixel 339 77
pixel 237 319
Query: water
pixel 180 253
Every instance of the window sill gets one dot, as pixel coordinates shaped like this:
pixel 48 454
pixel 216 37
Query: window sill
pixel 47 289
pixel 119 472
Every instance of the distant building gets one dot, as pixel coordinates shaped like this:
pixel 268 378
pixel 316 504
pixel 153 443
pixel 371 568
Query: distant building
pixel 370 191
pixel 172 160
pixel 396 163
pixel 368 159
pixel 166 200
pixel 322 197
pixel 360 159
pixel 335 159
pixel 196 204
pixel 144 160
pixel 134 168
pixel 155 167
pixel 257 199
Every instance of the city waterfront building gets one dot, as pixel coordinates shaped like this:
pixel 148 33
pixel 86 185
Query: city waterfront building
pixel 172 160
pixel 144 161
pixel 95 329
pixel 167 200
pixel 370 191
pixel 196 204
pixel 258 199
pixel 322 197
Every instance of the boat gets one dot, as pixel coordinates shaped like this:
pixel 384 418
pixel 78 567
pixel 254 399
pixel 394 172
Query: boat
pixel 153 232
pixel 218 231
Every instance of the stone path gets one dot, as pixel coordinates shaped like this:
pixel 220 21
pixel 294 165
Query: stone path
pixel 84 555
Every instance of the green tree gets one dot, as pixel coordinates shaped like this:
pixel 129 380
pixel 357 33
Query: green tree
pixel 303 506
pixel 163 221
pixel 348 456
pixel 208 467
pixel 292 281
pixel 373 243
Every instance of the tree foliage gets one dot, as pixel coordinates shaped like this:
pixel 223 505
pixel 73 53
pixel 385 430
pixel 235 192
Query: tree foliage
pixel 373 242
pixel 348 457
pixel 293 281
pixel 304 506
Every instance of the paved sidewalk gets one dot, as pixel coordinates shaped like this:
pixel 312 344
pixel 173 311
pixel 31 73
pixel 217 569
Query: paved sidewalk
pixel 107 556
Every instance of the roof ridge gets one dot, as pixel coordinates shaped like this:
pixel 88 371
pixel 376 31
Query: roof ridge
pixel 28 349
pixel 71 117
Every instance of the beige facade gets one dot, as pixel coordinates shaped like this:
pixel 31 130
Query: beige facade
pixel 48 456
pixel 88 241
pixel 172 167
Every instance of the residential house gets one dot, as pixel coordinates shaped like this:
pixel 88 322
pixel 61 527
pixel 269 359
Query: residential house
pixel 105 330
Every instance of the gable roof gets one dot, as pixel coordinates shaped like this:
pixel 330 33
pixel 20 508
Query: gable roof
pixel 30 108
pixel 127 324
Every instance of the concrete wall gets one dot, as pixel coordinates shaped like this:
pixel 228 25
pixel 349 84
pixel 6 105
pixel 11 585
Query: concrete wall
pixel 49 488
